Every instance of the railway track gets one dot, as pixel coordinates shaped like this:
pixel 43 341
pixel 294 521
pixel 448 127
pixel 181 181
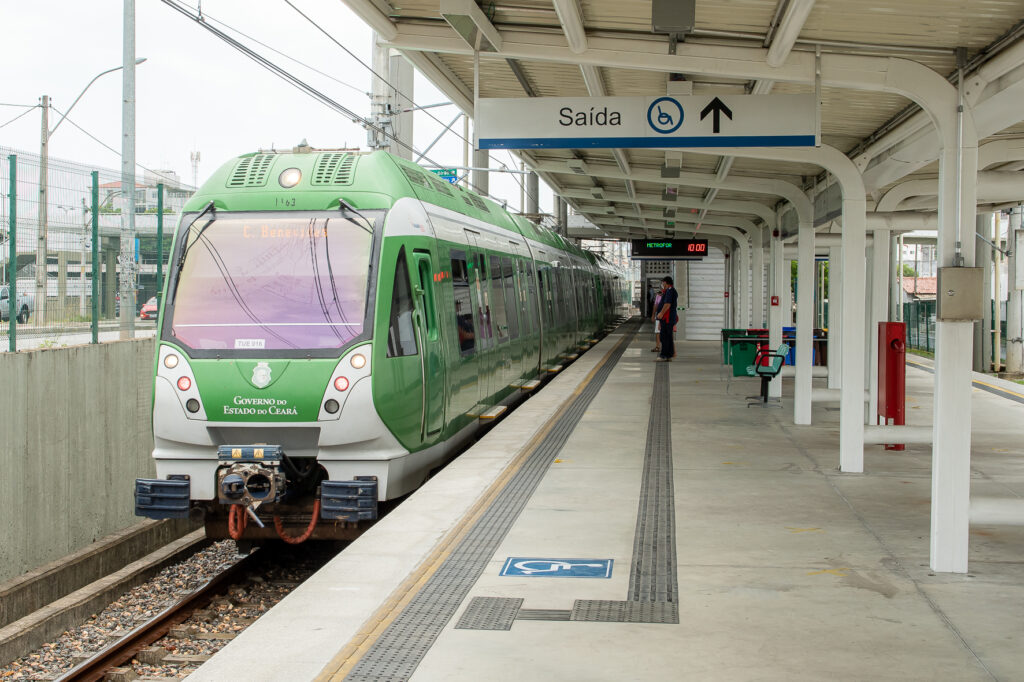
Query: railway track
pixel 124 649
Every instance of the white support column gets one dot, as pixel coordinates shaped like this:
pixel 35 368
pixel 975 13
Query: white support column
pixel 835 308
pixel 851 403
pixel 804 324
pixel 787 293
pixel 1014 313
pixel 982 329
pixel 951 444
pixel 742 280
pixel 757 281
pixel 778 285
pixel 481 178
pixel 894 277
pixel 878 313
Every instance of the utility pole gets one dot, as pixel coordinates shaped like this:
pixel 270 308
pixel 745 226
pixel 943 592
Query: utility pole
pixel 194 158
pixel 127 257
pixel 44 158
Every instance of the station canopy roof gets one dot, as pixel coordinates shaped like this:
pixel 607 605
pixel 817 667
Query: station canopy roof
pixel 875 59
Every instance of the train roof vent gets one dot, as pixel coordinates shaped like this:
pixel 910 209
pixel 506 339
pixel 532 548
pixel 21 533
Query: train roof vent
pixel 334 168
pixel 474 201
pixel 416 176
pixel 251 171
pixel 440 185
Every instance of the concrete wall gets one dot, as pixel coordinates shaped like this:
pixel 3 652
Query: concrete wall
pixel 75 433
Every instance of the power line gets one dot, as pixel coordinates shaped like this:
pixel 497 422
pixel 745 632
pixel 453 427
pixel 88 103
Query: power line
pixel 296 82
pixel 27 111
pixel 207 17
pixel 395 89
pixel 108 147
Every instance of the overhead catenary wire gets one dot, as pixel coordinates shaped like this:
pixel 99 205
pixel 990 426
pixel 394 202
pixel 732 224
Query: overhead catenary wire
pixel 207 17
pixel 288 77
pixel 398 92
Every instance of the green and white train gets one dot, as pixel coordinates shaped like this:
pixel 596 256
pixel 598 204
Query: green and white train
pixel 335 325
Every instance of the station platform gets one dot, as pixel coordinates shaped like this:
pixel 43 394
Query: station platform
pixel 633 520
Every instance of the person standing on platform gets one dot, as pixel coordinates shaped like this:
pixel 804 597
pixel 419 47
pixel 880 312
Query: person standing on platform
pixel 668 317
pixel 657 323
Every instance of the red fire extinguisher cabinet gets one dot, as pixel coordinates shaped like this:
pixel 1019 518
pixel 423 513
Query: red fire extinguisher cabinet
pixel 892 374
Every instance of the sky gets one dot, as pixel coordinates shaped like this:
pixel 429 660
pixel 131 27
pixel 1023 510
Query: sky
pixel 196 93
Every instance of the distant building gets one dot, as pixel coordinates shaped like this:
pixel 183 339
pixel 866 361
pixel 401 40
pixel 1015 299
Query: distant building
pixel 175 193
pixel 919 288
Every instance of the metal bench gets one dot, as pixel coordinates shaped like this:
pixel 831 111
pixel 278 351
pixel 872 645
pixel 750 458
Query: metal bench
pixel 767 365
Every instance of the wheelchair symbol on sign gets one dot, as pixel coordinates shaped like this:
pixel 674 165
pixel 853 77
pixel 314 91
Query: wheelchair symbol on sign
pixel 548 566
pixel 557 568
pixel 665 115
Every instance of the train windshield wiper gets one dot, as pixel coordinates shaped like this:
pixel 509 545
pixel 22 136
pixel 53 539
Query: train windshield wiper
pixel 348 208
pixel 188 245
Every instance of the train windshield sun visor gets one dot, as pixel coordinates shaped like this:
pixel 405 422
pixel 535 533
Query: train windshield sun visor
pixel 274 282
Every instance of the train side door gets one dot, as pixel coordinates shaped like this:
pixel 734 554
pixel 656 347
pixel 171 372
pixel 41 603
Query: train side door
pixel 426 281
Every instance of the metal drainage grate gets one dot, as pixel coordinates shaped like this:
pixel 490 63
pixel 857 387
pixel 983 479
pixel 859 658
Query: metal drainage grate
pixel 603 611
pixel 489 613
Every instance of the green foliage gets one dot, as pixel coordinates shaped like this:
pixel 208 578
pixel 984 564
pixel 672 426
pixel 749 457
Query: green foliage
pixel 908 271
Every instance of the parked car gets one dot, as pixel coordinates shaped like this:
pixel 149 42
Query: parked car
pixel 24 306
pixel 150 310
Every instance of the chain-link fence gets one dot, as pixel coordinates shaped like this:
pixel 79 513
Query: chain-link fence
pixel 73 264
pixel 920 319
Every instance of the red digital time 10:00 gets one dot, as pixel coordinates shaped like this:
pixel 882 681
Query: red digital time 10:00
pixel 697 247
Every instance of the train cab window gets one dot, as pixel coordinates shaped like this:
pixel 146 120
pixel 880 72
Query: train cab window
pixel 401 330
pixel 511 304
pixel 499 315
pixel 463 306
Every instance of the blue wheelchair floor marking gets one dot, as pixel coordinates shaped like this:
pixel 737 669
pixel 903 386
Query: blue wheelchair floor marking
pixel 557 568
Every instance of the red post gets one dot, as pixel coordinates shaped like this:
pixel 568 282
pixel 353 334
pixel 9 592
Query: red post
pixel 892 375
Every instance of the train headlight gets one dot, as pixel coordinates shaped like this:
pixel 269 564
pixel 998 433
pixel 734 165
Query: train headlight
pixel 358 361
pixel 192 405
pixel 289 177
pixel 184 383
pixel 170 361
pixel 341 384
pixel 331 406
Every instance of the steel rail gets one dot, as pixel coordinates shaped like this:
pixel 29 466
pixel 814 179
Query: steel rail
pixel 149 632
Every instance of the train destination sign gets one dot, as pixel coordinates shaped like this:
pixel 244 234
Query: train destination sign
pixel 665 121
pixel 670 249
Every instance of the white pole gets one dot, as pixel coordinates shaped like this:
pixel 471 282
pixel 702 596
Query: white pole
pixel 879 312
pixel 127 257
pixel 835 311
pixel 804 324
pixel 1014 342
pixel 778 280
pixel 42 287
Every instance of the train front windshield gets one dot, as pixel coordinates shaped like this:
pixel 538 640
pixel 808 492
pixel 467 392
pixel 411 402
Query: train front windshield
pixel 273 283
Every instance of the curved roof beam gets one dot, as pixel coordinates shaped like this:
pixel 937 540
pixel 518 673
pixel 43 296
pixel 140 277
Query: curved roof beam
pixel 747 207
pixel 1000 151
pixel 993 187
pixel 778 188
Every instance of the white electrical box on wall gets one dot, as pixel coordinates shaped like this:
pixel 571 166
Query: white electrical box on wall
pixel 958 295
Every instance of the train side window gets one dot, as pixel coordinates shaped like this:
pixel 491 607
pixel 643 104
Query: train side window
pixel 531 292
pixel 483 309
pixel 511 304
pixel 463 308
pixel 401 330
pixel 498 309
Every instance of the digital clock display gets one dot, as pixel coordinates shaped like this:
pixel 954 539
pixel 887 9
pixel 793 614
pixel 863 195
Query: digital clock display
pixel 670 248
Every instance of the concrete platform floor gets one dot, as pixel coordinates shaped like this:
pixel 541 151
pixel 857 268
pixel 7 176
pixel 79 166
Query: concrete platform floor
pixel 787 569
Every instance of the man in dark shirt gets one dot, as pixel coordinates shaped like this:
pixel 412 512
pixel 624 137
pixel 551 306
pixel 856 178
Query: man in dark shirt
pixel 668 316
